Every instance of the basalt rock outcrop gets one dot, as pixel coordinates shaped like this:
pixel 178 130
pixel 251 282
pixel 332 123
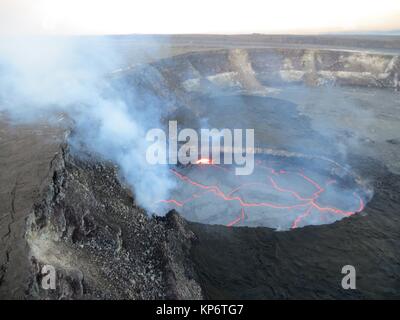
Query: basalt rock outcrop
pixel 83 222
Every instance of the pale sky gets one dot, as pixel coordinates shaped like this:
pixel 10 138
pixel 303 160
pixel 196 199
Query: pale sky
pixel 202 16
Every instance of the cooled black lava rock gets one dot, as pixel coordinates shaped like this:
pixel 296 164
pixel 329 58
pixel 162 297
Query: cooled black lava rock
pixel 101 244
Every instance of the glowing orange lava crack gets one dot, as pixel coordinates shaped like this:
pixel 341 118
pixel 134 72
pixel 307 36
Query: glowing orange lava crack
pixel 305 202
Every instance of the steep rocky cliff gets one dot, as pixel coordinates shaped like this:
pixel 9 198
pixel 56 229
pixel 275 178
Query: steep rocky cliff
pixel 263 70
pixel 83 222
pixel 102 245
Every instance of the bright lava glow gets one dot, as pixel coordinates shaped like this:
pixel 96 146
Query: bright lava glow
pixel 204 161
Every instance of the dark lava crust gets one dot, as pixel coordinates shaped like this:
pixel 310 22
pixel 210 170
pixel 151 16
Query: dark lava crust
pixel 306 263
pixel 85 223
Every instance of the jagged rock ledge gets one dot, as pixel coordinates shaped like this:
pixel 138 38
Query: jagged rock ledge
pixel 261 71
pixel 103 246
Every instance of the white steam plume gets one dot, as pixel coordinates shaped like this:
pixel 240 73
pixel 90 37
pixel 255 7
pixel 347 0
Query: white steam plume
pixel 45 76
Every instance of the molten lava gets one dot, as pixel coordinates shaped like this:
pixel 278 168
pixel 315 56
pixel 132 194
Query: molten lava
pixel 204 161
pixel 304 204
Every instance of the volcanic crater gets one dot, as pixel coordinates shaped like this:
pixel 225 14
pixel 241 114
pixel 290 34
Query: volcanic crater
pixel 325 120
